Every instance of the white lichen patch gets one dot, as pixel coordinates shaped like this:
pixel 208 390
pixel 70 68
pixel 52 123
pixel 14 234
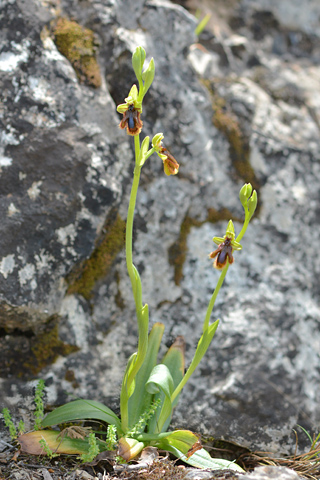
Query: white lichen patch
pixel 34 190
pixel 12 210
pixel 66 234
pixel 41 90
pixel 9 137
pixel 9 61
pixel 4 160
pixel 77 319
pixel 43 260
pixel 26 275
pixel 7 265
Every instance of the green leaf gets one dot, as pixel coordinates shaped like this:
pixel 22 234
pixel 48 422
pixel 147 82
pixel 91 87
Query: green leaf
pixel 202 347
pixel 202 459
pixel 181 439
pixel 160 381
pixel 126 392
pixel 175 361
pixel 128 383
pixel 202 24
pixel 160 378
pixel 141 399
pixel 81 410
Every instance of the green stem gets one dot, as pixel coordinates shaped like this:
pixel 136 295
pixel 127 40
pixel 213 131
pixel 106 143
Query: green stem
pixel 141 311
pixel 244 227
pixel 201 349
pixel 129 232
pixel 129 225
pixel 213 298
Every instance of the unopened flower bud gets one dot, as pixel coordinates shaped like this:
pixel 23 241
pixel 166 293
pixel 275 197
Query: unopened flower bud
pixel 148 76
pixel 138 58
pixel 252 203
pixel 245 193
pixel 156 141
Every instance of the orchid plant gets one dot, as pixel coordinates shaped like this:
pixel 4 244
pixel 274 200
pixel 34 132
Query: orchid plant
pixel 150 390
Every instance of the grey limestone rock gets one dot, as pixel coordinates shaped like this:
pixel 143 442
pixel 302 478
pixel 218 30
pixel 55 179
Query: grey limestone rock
pixel 234 107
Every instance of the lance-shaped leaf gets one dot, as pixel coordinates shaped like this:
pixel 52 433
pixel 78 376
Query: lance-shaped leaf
pixel 81 410
pixel 202 459
pixel 175 361
pixel 161 380
pixel 30 443
pixel 202 347
pixel 140 400
pixel 128 383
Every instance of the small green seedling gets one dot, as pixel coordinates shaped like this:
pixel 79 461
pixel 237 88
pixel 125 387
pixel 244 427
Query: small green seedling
pixel 38 413
pixel 150 388
pixel 94 449
pixel 9 423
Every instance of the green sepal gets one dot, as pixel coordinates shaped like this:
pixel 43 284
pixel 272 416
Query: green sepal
pixel 218 240
pixel 156 141
pixel 122 108
pixel 230 230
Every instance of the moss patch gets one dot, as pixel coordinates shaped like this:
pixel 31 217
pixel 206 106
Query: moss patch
pixel 25 354
pixel 178 250
pixel 78 45
pixel 84 277
pixel 226 121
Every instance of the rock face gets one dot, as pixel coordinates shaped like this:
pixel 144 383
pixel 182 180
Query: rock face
pixel 238 104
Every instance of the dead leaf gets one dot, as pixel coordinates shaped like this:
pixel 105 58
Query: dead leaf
pixel 148 455
pixel 30 443
pixel 74 432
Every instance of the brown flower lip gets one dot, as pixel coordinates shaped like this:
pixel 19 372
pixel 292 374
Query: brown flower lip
pixel 222 254
pixel 171 164
pixel 131 121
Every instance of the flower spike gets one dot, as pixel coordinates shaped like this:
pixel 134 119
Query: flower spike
pixel 131 121
pixel 170 164
pixel 131 111
pixel 226 245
